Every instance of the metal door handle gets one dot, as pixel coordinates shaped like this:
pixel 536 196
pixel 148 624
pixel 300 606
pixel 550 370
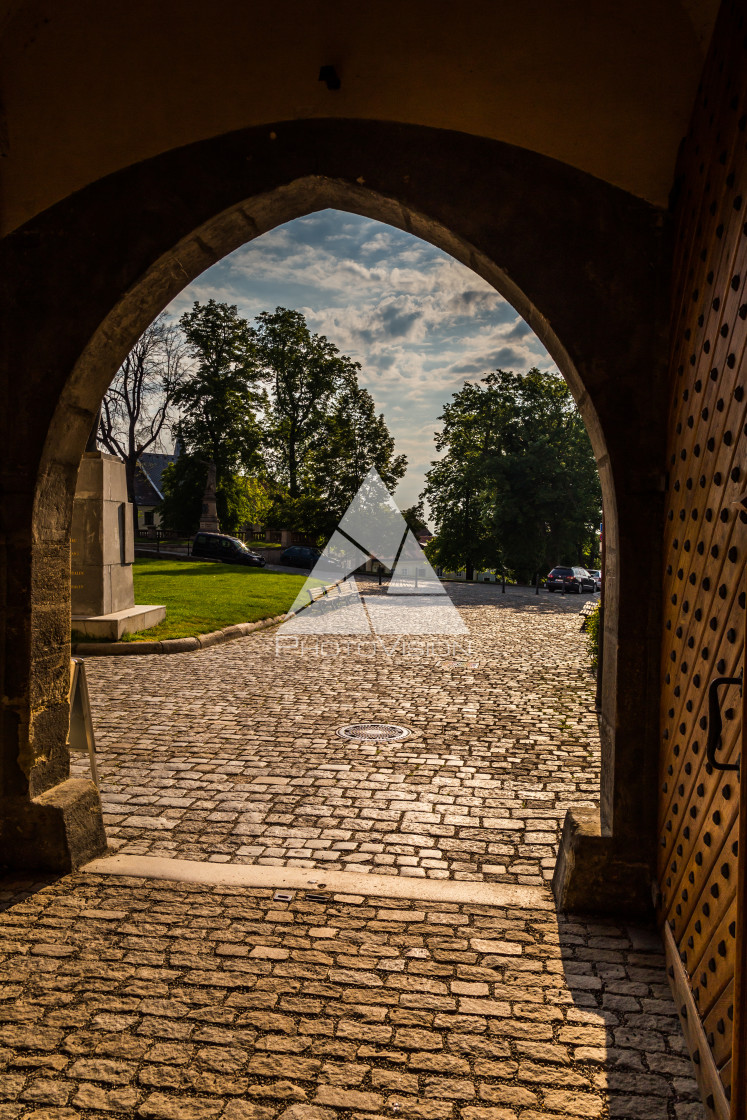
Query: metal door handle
pixel 715 723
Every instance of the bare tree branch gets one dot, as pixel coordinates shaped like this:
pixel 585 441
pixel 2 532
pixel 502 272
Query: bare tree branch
pixel 139 403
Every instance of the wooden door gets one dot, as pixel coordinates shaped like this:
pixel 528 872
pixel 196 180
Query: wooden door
pixel 739 1060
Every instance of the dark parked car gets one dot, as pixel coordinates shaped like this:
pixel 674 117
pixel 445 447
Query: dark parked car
pixel 570 579
pixel 306 556
pixel 299 556
pixel 219 546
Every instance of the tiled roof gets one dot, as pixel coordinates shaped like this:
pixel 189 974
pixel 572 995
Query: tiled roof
pixel 148 484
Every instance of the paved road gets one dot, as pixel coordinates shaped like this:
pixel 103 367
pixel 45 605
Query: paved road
pixel 232 754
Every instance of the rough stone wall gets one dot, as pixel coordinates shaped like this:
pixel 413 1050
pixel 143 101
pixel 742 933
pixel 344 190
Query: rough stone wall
pixel 704 548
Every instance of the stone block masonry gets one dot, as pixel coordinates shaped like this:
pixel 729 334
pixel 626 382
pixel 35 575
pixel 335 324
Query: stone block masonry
pixel 102 553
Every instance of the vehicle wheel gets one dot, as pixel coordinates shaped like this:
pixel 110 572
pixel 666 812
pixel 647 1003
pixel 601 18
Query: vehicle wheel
pixel 578 589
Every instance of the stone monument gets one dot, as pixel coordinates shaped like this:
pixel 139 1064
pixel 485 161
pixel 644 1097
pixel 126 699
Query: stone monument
pixel 102 553
pixel 209 514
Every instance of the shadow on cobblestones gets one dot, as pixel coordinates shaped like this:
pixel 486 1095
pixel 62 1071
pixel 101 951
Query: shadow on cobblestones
pixel 161 1001
pixel 14 890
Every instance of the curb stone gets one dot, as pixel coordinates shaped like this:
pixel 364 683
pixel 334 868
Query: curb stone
pixel 184 645
pixel 177 645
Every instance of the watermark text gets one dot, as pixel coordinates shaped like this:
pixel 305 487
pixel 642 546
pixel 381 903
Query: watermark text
pixel 315 645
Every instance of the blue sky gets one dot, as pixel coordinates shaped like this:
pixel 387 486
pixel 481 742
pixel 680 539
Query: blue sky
pixel 419 323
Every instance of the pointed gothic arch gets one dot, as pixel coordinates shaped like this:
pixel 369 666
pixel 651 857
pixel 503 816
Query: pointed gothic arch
pixel 573 255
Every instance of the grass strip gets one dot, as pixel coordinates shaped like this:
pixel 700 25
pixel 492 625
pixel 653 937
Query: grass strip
pixel 200 597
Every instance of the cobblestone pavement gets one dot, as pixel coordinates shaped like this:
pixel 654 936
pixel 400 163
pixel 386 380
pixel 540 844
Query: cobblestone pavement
pixel 231 754
pixel 123 998
pixel 136 999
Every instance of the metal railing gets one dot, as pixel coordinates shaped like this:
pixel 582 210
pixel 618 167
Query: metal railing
pixel 152 535
pixel 173 541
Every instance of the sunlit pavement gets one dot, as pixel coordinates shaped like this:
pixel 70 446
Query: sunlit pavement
pixel 232 754
pixel 136 997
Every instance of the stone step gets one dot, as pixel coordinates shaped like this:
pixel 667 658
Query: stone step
pixel 334 882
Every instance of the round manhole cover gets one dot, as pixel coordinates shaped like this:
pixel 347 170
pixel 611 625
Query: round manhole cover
pixel 373 731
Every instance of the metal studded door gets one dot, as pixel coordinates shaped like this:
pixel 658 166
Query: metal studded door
pixel 704 579
pixel 739 1049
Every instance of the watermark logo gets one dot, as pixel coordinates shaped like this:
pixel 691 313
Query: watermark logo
pixel 412 602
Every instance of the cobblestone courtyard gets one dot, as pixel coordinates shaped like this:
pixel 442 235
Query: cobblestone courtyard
pixel 232 754
pixel 128 998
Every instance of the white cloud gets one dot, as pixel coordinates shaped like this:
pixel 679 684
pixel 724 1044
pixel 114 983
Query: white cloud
pixel 419 322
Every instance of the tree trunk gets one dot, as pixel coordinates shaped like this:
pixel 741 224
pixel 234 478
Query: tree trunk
pixel 92 444
pixel 469 568
pixel 292 464
pixel 130 468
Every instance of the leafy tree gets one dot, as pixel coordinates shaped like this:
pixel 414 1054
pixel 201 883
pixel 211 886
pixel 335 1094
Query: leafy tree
pixel 254 498
pixel 305 514
pixel 305 372
pixel 415 518
pixel 547 496
pixel 323 432
pixel 140 400
pixel 220 399
pixel 517 486
pixel 281 403
pixel 458 502
pixel 183 485
pixel 456 484
pixel 240 500
pixel 351 440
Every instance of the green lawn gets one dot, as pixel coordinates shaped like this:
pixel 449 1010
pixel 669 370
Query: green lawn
pixel 200 597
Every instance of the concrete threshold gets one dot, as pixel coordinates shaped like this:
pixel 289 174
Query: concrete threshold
pixel 334 882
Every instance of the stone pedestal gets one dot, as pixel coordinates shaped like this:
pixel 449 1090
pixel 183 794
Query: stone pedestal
pixel 102 552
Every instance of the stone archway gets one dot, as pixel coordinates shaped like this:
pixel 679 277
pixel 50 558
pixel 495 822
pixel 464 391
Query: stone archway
pixel 580 260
